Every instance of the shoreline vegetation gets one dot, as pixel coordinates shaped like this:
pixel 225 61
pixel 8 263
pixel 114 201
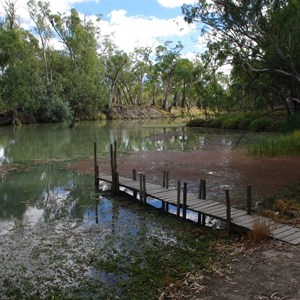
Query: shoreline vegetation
pixel 287 142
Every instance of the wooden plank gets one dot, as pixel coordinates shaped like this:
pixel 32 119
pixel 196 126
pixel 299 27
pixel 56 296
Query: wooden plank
pixel 280 229
pixel 155 191
pixel 243 221
pixel 193 201
pixel 291 237
pixel 286 233
pixel 200 207
pixel 214 209
pixel 163 194
pixel 211 208
pixel 199 202
pixel 295 241
pixel 105 178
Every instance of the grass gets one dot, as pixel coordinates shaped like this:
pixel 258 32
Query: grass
pixel 278 146
pixel 253 121
pixel 260 232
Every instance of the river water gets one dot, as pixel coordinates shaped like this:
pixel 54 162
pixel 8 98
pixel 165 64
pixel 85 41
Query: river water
pixel 59 239
pixel 38 187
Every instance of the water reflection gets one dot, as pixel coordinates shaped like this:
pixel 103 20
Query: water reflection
pixel 47 141
pixel 39 194
pixel 41 191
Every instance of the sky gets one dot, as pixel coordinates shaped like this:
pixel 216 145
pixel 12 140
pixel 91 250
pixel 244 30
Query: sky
pixel 133 23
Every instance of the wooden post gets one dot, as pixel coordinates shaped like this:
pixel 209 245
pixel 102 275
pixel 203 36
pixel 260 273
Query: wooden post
pixel 115 155
pixel 228 210
pixel 167 179
pixel 97 179
pixel 134 174
pixel 249 200
pixel 184 200
pixel 202 195
pixel 178 197
pixel 164 179
pixel 95 164
pixel 134 178
pixel 141 187
pixel 202 189
pixel 112 167
pixel 144 189
pixel 167 207
pixel 97 211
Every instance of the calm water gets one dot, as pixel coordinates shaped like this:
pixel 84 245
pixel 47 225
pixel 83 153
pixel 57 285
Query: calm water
pixel 40 189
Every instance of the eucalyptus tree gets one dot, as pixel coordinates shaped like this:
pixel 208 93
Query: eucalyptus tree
pixel 260 36
pixel 20 83
pixel 184 78
pixel 83 89
pixel 39 12
pixel 164 70
pixel 140 68
pixel 115 63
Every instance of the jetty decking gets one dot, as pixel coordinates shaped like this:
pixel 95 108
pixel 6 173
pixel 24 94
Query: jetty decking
pixel 184 201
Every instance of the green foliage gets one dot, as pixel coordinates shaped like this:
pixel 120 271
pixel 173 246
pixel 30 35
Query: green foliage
pixel 265 57
pixel 283 145
pixel 261 124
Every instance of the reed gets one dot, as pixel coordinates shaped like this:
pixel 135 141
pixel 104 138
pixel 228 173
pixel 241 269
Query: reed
pixel 283 145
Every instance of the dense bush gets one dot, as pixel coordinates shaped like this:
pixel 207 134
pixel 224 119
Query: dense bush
pixel 261 124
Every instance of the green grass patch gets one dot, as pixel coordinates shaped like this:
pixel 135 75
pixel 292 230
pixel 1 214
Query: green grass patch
pixel 252 121
pixel 277 146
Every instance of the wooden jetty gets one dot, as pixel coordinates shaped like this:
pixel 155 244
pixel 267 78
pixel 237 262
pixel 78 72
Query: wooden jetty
pixel 184 201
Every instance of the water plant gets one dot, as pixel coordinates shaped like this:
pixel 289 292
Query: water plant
pixel 282 145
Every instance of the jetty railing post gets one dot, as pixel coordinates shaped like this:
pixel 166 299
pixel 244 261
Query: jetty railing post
pixel 202 195
pixel 115 155
pixel 144 189
pixel 95 164
pixel 112 166
pixel 178 197
pixel 184 200
pixel 203 189
pixel 228 210
pixel 164 179
pixel 134 179
pixel 167 179
pixel 249 200
pixel 141 187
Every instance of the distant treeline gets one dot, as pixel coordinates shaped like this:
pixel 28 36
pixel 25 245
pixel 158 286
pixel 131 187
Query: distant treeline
pixel 40 83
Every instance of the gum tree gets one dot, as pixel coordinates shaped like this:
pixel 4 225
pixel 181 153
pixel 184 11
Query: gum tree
pixel 262 37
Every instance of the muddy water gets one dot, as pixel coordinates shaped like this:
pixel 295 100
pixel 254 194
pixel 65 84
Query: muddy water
pixel 37 188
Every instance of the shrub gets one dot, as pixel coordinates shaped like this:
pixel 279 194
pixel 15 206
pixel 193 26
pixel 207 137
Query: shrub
pixel 196 123
pixel 293 122
pixel 260 231
pixel 260 124
pixel 231 122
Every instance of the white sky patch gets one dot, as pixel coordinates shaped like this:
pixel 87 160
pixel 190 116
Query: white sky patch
pixel 174 3
pixel 130 32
